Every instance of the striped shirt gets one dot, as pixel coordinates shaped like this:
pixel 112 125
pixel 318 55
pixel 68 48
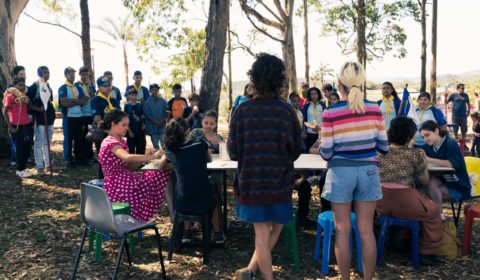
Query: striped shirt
pixel 350 139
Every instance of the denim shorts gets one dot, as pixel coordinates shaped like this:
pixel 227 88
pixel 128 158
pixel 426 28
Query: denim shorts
pixel 348 183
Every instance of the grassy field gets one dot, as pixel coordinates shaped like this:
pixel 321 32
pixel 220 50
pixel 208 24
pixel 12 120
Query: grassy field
pixel 41 229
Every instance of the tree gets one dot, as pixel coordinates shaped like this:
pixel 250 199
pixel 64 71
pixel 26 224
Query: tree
pixel 282 23
pixel 216 39
pixel 433 69
pixel 305 41
pixel 121 31
pixel 86 48
pixel 9 13
pixel 323 71
pixel 369 27
pixel 423 57
pixel 191 58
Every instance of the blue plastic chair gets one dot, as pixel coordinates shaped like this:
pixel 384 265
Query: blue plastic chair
pixel 385 222
pixel 325 223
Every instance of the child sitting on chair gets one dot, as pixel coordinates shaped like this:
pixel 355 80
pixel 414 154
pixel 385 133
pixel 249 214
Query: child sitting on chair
pixel 193 193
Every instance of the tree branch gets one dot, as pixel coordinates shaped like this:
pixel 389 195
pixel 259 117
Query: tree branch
pixel 374 54
pixel 242 46
pixel 280 10
pixel 271 12
pixel 250 11
pixel 264 32
pixel 54 24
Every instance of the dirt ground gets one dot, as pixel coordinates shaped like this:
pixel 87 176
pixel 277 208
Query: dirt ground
pixel 41 230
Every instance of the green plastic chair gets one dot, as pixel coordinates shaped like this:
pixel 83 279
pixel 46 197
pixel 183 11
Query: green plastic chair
pixel 291 243
pixel 118 208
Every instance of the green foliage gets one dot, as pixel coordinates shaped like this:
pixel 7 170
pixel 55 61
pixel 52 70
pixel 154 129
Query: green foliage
pixel 315 4
pixel 60 9
pixel 120 30
pixel 161 21
pixel 191 43
pixel 383 32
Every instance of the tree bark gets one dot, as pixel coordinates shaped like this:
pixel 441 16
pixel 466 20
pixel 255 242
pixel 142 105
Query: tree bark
pixel 423 73
pixel 229 52
pixel 288 47
pixel 125 63
pixel 361 41
pixel 86 49
pixel 305 41
pixel 212 70
pixel 9 13
pixel 433 68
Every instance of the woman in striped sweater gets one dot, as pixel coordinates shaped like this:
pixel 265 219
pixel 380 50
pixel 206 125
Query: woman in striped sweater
pixel 352 132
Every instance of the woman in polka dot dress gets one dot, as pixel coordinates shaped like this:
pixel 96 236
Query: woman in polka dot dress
pixel 144 191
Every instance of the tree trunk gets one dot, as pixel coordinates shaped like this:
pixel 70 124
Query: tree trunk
pixel 86 49
pixel 305 41
pixel 229 52
pixel 433 69
pixel 9 13
pixel 212 70
pixel 193 88
pixel 288 48
pixel 125 63
pixel 361 41
pixel 423 74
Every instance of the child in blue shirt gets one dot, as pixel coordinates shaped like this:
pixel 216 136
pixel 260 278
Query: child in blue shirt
pixel 193 194
pixel 444 151
pixel 136 129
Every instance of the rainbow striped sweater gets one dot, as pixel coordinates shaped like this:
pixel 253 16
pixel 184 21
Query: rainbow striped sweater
pixel 350 139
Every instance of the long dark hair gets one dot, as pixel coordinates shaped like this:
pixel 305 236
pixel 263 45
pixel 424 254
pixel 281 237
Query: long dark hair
pixel 267 75
pixel 394 92
pixel 110 117
pixel 431 126
pixel 309 94
pixel 175 134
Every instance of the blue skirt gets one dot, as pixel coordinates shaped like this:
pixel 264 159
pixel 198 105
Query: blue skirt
pixel 277 213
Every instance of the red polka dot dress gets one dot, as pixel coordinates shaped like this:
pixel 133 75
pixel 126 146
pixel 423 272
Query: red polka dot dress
pixel 144 191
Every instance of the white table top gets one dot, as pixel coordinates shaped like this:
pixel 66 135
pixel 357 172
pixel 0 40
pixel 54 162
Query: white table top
pixel 304 162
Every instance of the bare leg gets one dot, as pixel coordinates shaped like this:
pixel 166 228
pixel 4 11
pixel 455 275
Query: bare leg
pixel 364 210
pixel 341 217
pixel 266 236
pixel 169 197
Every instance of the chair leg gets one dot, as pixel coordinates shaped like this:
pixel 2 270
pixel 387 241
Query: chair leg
pixel 381 239
pixel 173 238
pixel 415 248
pixel 327 241
pixel 467 233
pixel 128 251
pixel 91 239
pixel 318 236
pixel 119 258
pixel 159 245
pixel 456 212
pixel 77 259
pixel 206 238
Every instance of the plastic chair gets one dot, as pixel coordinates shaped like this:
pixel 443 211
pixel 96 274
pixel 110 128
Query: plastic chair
pixel 177 232
pixel 118 208
pixel 473 166
pixel 291 243
pixel 387 221
pixel 97 215
pixel 471 212
pixel 325 223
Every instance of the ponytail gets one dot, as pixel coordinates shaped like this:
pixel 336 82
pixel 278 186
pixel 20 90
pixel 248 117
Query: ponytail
pixel 351 77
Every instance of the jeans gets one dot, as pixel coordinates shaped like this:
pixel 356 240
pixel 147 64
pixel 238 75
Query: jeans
pixel 23 145
pixel 41 145
pixel 76 139
pixel 137 143
pixel 156 140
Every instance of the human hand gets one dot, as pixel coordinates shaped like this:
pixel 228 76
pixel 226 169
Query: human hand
pixel 158 154
pixel 216 140
pixel 195 109
pixel 314 148
pixel 130 134
pixel 12 129
pixel 313 126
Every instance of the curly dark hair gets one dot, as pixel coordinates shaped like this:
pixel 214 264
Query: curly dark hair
pixel 402 130
pixel 175 133
pixel 267 75
pixel 309 93
pixel 110 117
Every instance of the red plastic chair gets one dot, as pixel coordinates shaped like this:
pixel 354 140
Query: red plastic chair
pixel 471 212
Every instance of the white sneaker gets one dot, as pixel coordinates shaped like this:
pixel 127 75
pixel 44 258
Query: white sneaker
pixel 23 174
pixel 13 163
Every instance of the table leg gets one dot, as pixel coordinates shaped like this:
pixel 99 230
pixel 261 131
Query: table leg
pixel 225 210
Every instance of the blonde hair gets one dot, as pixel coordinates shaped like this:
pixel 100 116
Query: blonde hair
pixel 351 77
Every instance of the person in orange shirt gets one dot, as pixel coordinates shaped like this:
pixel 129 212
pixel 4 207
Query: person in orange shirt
pixel 177 104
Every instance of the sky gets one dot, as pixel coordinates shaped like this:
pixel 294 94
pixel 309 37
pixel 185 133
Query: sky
pixel 39 44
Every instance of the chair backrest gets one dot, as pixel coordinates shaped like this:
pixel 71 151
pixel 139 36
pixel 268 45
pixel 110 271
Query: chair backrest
pixel 96 209
pixel 473 169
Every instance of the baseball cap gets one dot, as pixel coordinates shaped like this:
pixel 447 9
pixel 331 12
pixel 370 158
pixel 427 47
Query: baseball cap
pixel 104 81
